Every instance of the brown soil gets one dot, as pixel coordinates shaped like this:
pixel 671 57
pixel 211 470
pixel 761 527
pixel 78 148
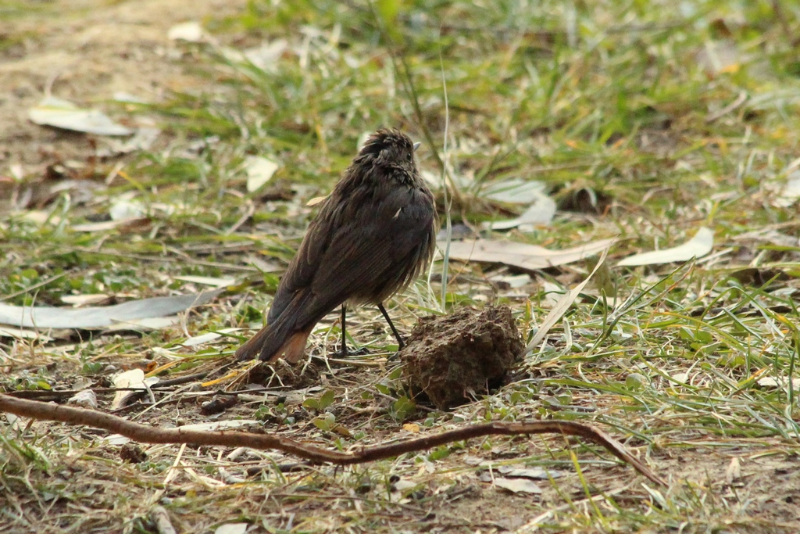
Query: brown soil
pixel 85 51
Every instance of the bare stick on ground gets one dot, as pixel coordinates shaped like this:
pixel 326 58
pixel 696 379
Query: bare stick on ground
pixel 146 434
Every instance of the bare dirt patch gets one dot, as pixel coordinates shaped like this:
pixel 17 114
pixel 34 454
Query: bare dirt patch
pixel 86 51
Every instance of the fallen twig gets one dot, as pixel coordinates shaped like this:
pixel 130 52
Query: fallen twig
pixel 147 434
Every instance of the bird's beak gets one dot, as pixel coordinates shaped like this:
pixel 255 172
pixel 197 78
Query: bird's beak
pixel 416 146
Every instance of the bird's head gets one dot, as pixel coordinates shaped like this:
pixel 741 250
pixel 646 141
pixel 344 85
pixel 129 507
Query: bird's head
pixel 391 150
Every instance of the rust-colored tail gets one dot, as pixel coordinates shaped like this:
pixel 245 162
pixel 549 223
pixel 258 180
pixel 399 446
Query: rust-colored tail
pixel 270 344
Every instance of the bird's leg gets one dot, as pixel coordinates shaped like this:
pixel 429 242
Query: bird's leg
pixel 343 350
pixel 400 342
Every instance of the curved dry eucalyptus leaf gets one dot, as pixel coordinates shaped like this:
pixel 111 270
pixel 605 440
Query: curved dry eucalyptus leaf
pixel 101 317
pixel 541 211
pixel 64 114
pixel 697 247
pixel 520 255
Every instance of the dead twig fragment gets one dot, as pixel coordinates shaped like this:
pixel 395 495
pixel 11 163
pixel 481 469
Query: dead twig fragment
pixel 147 434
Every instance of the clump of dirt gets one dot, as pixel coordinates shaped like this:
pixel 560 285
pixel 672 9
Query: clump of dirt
pixel 133 453
pixel 446 358
pixel 282 373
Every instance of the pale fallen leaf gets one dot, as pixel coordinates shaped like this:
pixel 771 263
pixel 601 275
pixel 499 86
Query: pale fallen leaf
pixel 104 226
pixel 142 139
pixel 733 471
pixel 212 426
pixel 208 280
pixel 41 217
pixel 561 307
pixel 515 191
pixel 85 398
pixel 536 473
pixel 116 439
pixel 316 200
pixel 770 382
pixel 697 247
pixel 209 337
pixel 259 171
pixel 683 378
pixel 411 427
pixel 404 484
pixel 517 485
pixel 133 378
pixel 16 333
pixel 126 210
pixel 64 114
pixel 520 255
pixel 101 316
pixel 124 96
pixel 84 300
pixel 143 325
pixel 552 294
pixel 265 56
pixel 514 281
pixel 790 192
pixel 540 212
pixel 232 528
pixel 190 31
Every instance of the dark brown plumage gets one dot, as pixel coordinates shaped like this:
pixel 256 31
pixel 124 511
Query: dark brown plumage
pixel 371 238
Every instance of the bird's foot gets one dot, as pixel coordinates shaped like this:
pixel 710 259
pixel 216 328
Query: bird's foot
pixel 344 352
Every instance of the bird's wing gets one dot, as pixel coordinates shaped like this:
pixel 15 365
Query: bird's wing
pixel 372 243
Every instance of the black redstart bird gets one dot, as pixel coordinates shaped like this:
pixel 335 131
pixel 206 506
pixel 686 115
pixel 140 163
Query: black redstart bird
pixel 373 235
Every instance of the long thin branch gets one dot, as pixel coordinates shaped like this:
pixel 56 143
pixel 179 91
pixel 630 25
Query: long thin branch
pixel 147 434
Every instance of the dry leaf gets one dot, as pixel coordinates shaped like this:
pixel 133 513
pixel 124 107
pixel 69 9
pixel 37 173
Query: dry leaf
pixel 85 398
pixel 190 31
pixel 265 56
pixel 259 171
pixel 208 280
pixel 561 307
pixel 515 191
pixel 520 255
pixel 518 485
pixel 734 471
pixel 213 426
pixel 61 113
pixel 232 528
pixel 110 225
pixel 540 212
pixel 209 337
pixel 697 247
pixel 790 192
pixel 101 317
pixel 683 378
pixel 83 300
pixel 129 379
pixel 316 200
pixel 536 473
pixel 7 331
pixel 770 382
